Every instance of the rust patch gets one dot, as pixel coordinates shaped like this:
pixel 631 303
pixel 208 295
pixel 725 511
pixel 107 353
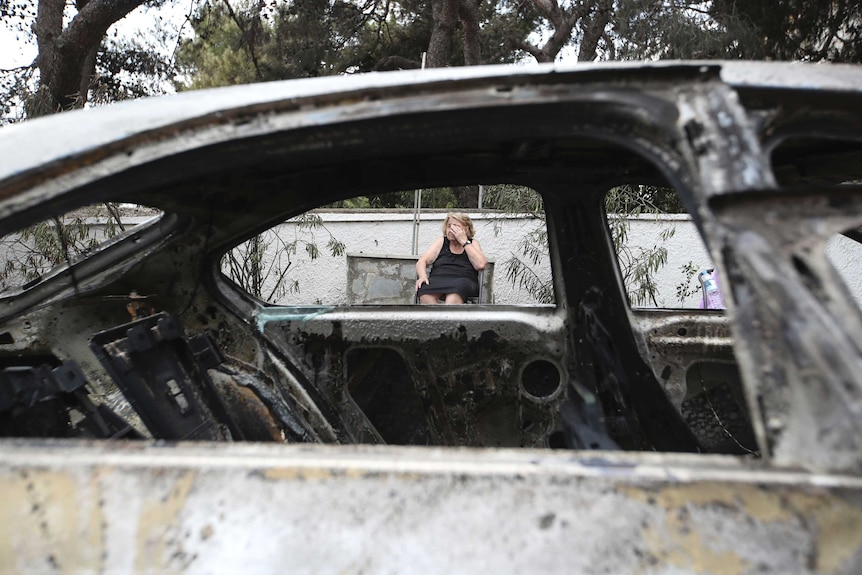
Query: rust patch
pixel 323 474
pixel 49 521
pixel 833 524
pixel 839 530
pixel 158 523
pixel 680 546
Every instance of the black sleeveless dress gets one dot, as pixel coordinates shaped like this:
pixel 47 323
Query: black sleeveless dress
pixel 452 273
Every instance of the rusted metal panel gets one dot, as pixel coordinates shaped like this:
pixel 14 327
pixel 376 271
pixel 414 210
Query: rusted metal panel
pixel 78 507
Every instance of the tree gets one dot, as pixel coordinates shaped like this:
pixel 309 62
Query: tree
pixel 638 265
pixel 225 50
pixel 303 38
pixel 67 54
pixel 248 41
pixel 522 269
pixel 585 20
pixel 251 41
pixel 447 15
pixel 77 62
pixel 806 30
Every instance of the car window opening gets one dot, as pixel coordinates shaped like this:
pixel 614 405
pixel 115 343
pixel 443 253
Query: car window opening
pixel 31 254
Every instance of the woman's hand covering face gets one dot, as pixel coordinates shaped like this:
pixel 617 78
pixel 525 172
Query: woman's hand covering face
pixel 455 231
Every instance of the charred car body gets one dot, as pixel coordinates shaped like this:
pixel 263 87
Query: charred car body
pixel 144 338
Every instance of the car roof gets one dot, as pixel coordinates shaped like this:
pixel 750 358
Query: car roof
pixel 43 141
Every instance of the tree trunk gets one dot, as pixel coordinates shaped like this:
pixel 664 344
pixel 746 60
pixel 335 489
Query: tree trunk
pixel 444 14
pixel 468 11
pixel 594 30
pixel 467 196
pixel 67 56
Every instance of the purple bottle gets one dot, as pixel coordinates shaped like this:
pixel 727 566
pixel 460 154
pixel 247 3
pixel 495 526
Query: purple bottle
pixel 712 298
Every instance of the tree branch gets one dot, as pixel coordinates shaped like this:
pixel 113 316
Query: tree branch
pixel 562 21
pixel 249 44
pixel 468 12
pixel 63 53
pixel 396 63
pixel 529 48
pixel 594 29
pixel 48 26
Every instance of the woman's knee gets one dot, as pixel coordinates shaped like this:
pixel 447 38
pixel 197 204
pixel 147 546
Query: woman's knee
pixel 454 298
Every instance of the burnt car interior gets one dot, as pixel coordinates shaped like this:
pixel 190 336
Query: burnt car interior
pixel 144 337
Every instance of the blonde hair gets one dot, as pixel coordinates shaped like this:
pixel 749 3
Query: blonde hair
pixel 462 219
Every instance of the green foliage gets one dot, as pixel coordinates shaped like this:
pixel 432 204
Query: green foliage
pixel 522 268
pixel 305 38
pixel 297 39
pixel 638 265
pixel 220 54
pixel 260 265
pixel 505 23
pixel 127 69
pixel 16 87
pixel 806 30
pixel 357 203
pixel 635 200
pixel 673 29
pixel 432 198
pixel 686 287
pixel 245 41
pixel 38 102
pixel 34 251
pixel 514 199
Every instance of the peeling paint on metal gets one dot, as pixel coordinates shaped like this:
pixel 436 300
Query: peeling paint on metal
pixel 158 541
pixel 836 525
pixel 35 536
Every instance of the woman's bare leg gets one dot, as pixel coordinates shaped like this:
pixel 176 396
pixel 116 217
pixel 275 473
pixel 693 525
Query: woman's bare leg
pixel 429 298
pixel 453 298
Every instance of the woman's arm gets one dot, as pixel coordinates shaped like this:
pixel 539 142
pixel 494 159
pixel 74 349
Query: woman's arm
pixel 426 260
pixel 476 255
pixel 472 249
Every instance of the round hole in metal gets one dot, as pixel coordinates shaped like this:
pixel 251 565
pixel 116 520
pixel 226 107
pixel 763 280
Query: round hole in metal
pixel 540 378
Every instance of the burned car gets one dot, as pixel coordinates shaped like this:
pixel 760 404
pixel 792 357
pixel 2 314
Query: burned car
pixel 158 415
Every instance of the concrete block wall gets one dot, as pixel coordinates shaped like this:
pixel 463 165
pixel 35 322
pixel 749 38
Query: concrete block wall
pixel 392 280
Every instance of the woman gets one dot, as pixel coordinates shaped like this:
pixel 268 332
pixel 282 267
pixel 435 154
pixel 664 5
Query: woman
pixel 457 258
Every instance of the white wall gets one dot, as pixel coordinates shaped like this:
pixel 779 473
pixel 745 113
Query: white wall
pixel 846 256
pixel 324 280
pixel 391 233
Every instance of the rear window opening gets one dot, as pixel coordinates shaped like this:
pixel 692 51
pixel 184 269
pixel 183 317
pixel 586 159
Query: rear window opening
pixel 28 256
pixel 806 164
pixel 801 161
